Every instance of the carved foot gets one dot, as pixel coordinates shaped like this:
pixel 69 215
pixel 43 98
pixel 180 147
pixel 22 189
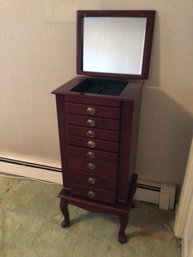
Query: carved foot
pixel 65 224
pixel 64 209
pixel 122 238
pixel 123 218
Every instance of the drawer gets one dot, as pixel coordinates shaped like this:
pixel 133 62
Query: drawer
pixel 92 154
pixel 93 193
pixel 93 133
pixel 98 100
pixel 94 144
pixel 93 167
pixel 93 180
pixel 93 110
pixel 92 122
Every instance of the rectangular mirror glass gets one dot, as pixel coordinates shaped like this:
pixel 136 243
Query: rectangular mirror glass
pixel 108 41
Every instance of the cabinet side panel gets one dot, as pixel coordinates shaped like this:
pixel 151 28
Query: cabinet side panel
pixel 60 103
pixel 135 130
pixel 130 114
pixel 125 151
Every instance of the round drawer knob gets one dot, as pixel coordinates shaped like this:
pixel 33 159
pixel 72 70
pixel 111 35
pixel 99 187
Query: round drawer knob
pixel 90 110
pixel 91 181
pixel 91 144
pixel 91 166
pixel 91 194
pixel 91 133
pixel 91 123
pixel 90 154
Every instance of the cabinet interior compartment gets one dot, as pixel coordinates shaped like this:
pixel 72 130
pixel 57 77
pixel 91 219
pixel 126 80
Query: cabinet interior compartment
pixel 101 86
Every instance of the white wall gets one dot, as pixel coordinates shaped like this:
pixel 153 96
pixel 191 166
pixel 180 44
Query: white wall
pixel 38 54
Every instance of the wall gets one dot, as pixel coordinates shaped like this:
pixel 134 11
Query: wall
pixel 37 47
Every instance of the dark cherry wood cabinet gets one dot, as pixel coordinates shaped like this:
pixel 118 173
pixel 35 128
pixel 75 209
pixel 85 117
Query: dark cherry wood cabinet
pixel 98 119
pixel 98 136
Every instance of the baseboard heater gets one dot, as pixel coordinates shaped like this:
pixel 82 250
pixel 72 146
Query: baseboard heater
pixel 159 193
pixel 30 164
pixel 33 170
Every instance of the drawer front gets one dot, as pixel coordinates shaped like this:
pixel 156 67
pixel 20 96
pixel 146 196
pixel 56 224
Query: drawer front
pixel 98 100
pixel 106 135
pixel 93 194
pixel 93 110
pixel 94 144
pixel 93 154
pixel 93 180
pixel 92 122
pixel 93 167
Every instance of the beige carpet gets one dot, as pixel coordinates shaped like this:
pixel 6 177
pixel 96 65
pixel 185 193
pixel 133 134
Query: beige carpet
pixel 30 227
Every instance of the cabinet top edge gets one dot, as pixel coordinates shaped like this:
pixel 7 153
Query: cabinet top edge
pixel 130 92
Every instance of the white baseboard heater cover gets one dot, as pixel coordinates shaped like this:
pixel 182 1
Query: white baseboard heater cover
pixel 159 193
pixel 162 194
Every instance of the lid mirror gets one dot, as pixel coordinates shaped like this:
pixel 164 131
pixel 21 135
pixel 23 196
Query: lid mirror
pixel 114 43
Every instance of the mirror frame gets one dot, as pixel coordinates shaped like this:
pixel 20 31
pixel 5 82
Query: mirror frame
pixel 149 14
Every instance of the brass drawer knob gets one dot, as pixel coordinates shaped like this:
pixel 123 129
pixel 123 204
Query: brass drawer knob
pixel 91 181
pixel 91 123
pixel 91 133
pixel 91 144
pixel 90 111
pixel 90 154
pixel 91 166
pixel 91 194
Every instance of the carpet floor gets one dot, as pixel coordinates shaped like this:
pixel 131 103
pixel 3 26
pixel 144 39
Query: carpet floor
pixel 30 227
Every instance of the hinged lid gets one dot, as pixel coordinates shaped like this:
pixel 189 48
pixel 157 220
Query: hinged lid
pixel 114 43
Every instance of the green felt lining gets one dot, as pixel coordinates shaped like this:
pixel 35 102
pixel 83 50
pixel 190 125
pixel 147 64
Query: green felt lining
pixel 101 86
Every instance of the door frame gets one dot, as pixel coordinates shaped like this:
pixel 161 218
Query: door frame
pixel 183 227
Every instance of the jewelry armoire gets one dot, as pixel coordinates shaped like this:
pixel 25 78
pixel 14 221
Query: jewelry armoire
pixel 98 112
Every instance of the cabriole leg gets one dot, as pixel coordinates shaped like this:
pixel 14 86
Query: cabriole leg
pixel 123 219
pixel 64 209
